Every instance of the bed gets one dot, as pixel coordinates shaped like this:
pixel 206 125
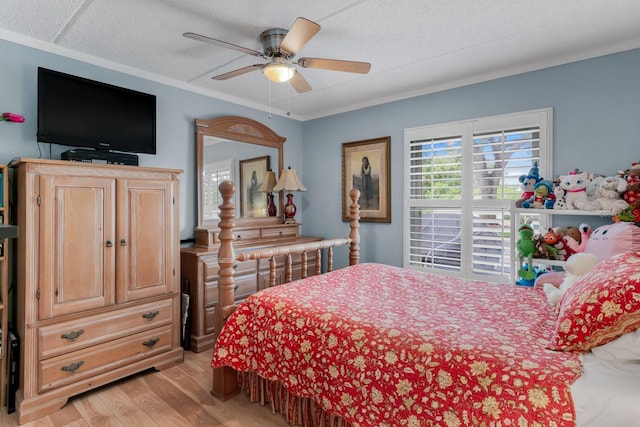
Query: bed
pixel 376 345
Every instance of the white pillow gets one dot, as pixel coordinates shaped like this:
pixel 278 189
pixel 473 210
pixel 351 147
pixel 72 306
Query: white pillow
pixel 626 347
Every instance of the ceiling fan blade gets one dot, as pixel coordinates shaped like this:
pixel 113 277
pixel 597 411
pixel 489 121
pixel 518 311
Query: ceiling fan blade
pixel 206 39
pixel 238 72
pixel 299 83
pixel 299 34
pixel 335 65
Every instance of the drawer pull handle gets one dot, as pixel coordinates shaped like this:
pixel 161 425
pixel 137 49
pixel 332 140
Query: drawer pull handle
pixel 109 243
pixel 151 315
pixel 73 335
pixel 123 242
pixel 73 367
pixel 151 343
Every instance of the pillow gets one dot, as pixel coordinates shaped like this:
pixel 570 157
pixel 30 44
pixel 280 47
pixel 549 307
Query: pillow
pixel 627 347
pixel 612 239
pixel 601 306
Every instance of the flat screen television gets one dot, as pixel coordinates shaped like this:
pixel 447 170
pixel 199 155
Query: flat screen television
pixel 79 112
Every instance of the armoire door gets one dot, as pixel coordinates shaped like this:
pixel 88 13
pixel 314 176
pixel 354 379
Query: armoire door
pixel 77 248
pixel 147 232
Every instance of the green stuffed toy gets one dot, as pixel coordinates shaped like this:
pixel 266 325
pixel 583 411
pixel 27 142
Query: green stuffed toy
pixel 526 249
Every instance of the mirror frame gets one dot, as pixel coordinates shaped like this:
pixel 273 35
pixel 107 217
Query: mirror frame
pixel 241 129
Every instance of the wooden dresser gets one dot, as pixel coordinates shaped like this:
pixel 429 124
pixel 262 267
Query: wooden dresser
pixel 199 267
pixel 98 277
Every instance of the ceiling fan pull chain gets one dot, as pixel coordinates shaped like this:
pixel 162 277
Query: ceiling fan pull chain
pixel 269 99
pixel 288 101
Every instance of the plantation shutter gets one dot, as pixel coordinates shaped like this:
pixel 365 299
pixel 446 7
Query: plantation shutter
pixel 462 181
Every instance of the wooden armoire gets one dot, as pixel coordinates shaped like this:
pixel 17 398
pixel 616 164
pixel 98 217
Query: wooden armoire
pixel 98 277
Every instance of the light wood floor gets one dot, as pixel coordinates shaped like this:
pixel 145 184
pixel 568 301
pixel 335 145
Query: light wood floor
pixel 178 396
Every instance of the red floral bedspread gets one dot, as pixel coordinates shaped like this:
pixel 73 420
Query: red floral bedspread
pixel 384 346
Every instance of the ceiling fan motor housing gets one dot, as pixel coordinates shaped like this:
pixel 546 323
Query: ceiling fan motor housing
pixel 271 40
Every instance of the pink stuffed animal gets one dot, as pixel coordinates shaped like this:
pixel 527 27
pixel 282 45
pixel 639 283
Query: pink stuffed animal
pixel 585 233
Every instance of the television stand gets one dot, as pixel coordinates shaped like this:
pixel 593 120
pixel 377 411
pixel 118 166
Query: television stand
pixel 99 156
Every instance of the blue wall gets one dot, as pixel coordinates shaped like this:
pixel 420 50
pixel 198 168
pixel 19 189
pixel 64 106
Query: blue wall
pixel 176 111
pixel 596 128
pixel 596 124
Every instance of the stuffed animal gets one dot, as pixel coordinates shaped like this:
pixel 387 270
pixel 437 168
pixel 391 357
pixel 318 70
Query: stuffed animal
pixel 609 195
pixel 628 215
pixel 553 236
pixel 531 282
pixel 544 249
pixel 595 179
pixel 571 239
pixel 585 233
pixel 542 196
pixel 527 183
pixel 576 266
pixel 631 195
pixel 559 193
pixel 575 186
pixel 526 248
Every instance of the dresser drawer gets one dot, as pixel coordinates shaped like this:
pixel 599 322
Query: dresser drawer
pixel 211 267
pixel 271 233
pixel 244 286
pixel 91 330
pixel 250 234
pixel 69 368
pixel 209 320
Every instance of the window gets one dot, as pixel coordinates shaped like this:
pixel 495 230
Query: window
pixel 214 174
pixel 461 181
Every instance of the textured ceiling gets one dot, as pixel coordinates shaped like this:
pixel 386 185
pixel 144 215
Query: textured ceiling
pixel 414 46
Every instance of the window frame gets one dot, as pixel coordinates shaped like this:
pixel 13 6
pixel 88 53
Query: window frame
pixel 541 118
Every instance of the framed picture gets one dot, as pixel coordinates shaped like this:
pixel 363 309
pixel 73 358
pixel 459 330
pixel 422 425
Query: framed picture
pixel 366 165
pixel 253 203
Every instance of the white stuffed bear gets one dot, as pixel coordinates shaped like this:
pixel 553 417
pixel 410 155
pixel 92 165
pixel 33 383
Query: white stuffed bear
pixel 609 195
pixel 577 265
pixel 595 179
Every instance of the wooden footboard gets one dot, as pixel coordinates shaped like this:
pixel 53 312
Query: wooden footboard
pixel 225 382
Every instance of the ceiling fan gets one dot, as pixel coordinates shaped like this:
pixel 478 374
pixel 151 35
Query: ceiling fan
pixel 279 48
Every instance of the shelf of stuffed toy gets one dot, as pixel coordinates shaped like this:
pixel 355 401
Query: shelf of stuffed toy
pixel 573 212
pixel 548 262
pixel 542 241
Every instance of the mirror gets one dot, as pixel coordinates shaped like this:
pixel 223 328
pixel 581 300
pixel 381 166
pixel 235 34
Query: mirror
pixel 220 140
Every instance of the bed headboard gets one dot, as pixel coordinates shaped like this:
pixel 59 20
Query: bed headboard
pixel 227 257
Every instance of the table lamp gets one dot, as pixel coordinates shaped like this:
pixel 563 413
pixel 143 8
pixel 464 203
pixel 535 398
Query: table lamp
pixel 267 187
pixel 289 181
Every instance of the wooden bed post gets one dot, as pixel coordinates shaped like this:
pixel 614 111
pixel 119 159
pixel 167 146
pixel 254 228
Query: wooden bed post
pixel 354 235
pixel 225 381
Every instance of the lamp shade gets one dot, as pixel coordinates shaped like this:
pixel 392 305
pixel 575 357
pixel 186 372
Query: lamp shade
pixel 278 73
pixel 289 181
pixel 268 183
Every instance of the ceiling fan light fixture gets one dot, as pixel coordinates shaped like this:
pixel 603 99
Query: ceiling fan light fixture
pixel 278 73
